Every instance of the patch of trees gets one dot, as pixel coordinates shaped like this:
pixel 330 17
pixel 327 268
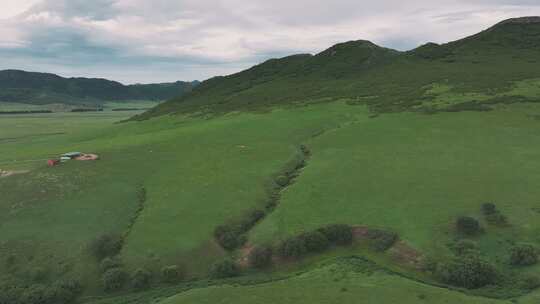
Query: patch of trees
pixel 467 225
pixel 171 274
pixel 65 292
pixel 464 247
pixel 260 257
pixel 106 245
pixel 523 255
pixel 232 235
pixel 315 241
pixel 492 215
pixel 25 112
pixel 470 271
pixel 224 269
pixel 86 110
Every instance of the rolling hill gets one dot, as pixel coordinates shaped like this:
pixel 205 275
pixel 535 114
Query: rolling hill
pixel 42 88
pixel 357 174
pixel 487 64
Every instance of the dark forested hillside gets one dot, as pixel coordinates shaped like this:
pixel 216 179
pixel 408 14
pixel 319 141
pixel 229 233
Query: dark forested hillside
pixel 43 88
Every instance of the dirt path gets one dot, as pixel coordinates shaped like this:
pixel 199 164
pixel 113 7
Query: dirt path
pixel 5 173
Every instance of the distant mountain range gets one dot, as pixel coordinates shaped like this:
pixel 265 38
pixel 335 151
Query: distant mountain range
pixel 487 64
pixel 43 88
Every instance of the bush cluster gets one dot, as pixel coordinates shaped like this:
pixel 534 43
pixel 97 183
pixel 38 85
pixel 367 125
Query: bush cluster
pixel 293 247
pixel 529 282
pixel 470 272
pixel 60 292
pixel 114 279
pixel 467 225
pixel 106 245
pixel 224 269
pixel 381 240
pixel 492 215
pixel 523 255
pixel 338 234
pixel 260 257
pixel 141 279
pixel 108 263
pixel 465 247
pixel 315 241
pixel 232 236
pixel 171 274
pixel 283 180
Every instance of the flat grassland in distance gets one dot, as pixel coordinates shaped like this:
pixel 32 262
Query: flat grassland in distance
pixel 411 173
pixel 59 107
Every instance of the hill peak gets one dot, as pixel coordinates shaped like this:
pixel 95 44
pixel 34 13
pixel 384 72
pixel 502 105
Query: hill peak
pixel 521 20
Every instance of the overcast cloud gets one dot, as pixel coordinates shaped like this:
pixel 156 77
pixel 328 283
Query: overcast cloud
pixel 167 40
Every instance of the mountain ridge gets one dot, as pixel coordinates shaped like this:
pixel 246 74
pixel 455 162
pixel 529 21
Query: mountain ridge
pixel 43 88
pixel 491 59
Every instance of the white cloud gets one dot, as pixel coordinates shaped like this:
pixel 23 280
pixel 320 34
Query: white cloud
pixel 188 39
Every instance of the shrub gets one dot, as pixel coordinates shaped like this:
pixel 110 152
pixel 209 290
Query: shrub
pixel 293 247
pixel 37 274
pixel 229 236
pixel 496 219
pixel 224 269
pixel 11 260
pixel 114 279
pixel 489 208
pixel 315 241
pixel 467 225
pixel 260 257
pixel 141 279
pixel 464 247
pixel 108 263
pixel 282 180
pixel 171 274
pixel 529 282
pixel 470 272
pixel 106 245
pixel 64 291
pixel 338 234
pixel 250 219
pixel 381 240
pixel 36 294
pixel 523 255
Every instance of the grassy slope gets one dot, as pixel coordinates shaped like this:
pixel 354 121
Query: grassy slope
pixel 385 171
pixel 176 160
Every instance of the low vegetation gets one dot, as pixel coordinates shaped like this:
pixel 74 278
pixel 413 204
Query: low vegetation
pixel 523 255
pixel 469 272
pixel 224 269
pixel 467 225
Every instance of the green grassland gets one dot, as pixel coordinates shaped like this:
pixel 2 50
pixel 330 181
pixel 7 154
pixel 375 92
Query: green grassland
pixel 364 170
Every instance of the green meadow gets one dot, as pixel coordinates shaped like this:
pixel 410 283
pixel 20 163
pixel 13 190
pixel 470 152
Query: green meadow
pixel 410 173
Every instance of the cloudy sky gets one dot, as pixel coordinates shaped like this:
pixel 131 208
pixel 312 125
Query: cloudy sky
pixel 166 40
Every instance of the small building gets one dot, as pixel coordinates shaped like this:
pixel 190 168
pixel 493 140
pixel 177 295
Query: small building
pixel 71 155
